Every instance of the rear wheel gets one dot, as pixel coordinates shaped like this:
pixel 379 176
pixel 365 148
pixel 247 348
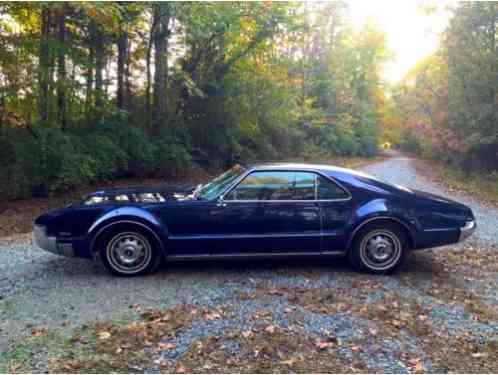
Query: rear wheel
pixel 379 248
pixel 129 251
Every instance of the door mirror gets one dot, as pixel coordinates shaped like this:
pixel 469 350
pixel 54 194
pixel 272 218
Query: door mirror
pixel 220 202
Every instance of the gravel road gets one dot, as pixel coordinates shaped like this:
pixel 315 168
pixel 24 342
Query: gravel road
pixel 42 291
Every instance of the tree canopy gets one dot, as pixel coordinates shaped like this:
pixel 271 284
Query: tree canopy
pixel 94 91
pixel 447 106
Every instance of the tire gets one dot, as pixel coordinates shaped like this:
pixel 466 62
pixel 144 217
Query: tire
pixel 379 248
pixel 129 251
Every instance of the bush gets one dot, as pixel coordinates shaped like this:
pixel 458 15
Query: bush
pixel 108 158
pixel 140 151
pixel 171 158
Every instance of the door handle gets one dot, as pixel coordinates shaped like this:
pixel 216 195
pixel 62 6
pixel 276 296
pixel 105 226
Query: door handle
pixel 221 203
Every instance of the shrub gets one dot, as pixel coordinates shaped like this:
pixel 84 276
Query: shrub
pixel 170 158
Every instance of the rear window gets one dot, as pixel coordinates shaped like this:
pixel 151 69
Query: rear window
pixel 328 190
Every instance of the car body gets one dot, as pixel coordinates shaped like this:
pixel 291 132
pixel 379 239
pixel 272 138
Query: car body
pixel 266 210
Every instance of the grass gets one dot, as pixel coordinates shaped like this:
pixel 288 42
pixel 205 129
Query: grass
pixel 483 186
pixel 478 184
pixel 26 355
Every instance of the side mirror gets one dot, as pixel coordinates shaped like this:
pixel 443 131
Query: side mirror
pixel 220 202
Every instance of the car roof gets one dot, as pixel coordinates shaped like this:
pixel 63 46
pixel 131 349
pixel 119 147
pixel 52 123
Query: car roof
pixel 303 166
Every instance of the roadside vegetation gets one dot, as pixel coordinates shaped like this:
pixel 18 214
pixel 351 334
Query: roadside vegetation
pixel 93 92
pixel 478 184
pixel 17 216
pixel 446 108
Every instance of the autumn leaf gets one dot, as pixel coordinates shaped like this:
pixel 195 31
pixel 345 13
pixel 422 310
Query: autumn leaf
pixel 247 334
pixel 166 346
pixel 103 335
pixel 15 367
pixel 270 329
pixel 289 362
pixel 180 369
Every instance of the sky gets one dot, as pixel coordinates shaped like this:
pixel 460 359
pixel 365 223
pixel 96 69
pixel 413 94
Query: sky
pixel 411 34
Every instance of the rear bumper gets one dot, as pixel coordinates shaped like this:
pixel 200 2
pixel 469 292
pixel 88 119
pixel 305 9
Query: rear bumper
pixel 467 230
pixel 50 243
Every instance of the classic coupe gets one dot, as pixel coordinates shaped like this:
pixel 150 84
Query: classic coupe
pixel 269 210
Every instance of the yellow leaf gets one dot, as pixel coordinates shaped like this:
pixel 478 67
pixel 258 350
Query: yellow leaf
pixel 103 335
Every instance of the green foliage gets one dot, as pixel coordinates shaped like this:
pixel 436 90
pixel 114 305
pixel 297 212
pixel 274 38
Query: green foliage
pixel 80 100
pixel 448 103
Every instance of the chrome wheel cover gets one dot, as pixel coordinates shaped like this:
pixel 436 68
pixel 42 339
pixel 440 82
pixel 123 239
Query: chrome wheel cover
pixel 380 250
pixel 129 252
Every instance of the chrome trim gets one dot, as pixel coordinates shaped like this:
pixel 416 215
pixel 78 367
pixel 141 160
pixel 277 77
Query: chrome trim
pixel 247 255
pixel 43 241
pixel 316 171
pixel 246 236
pixel 439 229
pixel 467 230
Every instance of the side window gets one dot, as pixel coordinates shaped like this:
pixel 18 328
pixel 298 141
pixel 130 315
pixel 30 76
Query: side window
pixel 328 189
pixel 304 186
pixel 275 185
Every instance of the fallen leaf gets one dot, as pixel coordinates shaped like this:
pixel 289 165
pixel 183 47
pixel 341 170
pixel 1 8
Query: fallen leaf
pixel 166 346
pixel 180 369
pixel 247 334
pixel 37 332
pixel 422 318
pixel 15 367
pixel 270 329
pixel 211 315
pixel 289 362
pixel 479 355
pixel 322 344
pixel 103 335
pixel 275 292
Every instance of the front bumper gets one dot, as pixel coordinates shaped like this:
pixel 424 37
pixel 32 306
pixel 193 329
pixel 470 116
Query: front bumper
pixel 467 230
pixel 50 243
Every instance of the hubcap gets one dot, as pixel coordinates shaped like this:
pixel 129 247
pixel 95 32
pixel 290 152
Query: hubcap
pixel 129 252
pixel 380 249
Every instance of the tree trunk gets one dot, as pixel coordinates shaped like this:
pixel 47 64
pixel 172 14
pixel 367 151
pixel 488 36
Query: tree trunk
pixel 148 107
pixel 43 67
pixel 99 68
pixel 122 44
pixel 89 81
pixel 61 71
pixel 160 37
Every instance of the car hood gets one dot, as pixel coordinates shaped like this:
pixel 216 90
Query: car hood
pixel 140 194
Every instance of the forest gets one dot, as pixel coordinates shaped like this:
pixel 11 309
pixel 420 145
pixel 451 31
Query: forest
pixel 446 108
pixel 95 91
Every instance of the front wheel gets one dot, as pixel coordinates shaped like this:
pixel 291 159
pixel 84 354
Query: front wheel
pixel 129 253
pixel 379 248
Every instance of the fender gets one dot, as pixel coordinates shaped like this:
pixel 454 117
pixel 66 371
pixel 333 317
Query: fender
pixel 380 209
pixel 133 215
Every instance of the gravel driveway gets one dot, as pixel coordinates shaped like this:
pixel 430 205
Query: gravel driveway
pixel 438 314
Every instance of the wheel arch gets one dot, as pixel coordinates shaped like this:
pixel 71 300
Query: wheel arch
pixel 385 219
pixel 130 216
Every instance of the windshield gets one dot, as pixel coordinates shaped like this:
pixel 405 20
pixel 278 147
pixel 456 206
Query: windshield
pixel 216 186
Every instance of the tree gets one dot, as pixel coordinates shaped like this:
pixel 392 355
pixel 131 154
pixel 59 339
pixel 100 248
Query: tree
pixel 162 16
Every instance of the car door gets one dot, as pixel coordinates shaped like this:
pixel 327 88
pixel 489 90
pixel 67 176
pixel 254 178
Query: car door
pixel 271 212
pixel 336 208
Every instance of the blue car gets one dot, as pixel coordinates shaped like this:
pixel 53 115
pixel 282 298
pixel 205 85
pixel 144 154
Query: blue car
pixel 269 210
